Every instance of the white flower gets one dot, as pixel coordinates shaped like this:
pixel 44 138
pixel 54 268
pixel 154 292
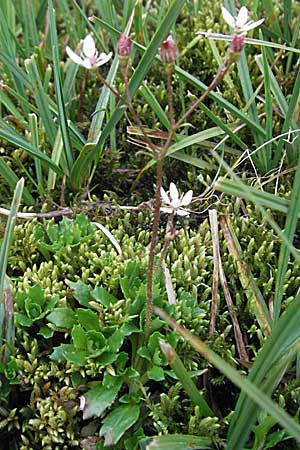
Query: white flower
pixel 89 55
pixel 239 23
pixel 173 202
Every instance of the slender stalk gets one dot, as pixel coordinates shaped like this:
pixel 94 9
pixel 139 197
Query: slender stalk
pixel 127 102
pixel 228 61
pixel 169 236
pixel 170 70
pixel 160 161
pixel 150 269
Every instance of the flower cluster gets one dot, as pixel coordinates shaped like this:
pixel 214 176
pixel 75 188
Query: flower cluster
pixel 240 27
pixel 89 57
pixel 173 203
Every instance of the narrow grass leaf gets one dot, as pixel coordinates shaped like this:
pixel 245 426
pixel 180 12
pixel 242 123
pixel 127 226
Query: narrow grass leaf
pixel 265 199
pixel 185 379
pixel 176 442
pixel 284 339
pixel 41 98
pixel 292 215
pixel 85 158
pixel 248 387
pixel 57 152
pixel 58 89
pixel 266 152
pixel 12 180
pixel 33 125
pixel 9 230
pixel 244 118
pixel 19 141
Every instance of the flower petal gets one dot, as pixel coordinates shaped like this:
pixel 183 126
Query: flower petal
pixel 74 57
pixel 86 63
pixel 89 48
pixel 242 17
pixel 166 210
pixel 103 58
pixel 187 198
pixel 174 194
pixel 164 196
pixel 182 212
pixel 228 17
pixel 252 25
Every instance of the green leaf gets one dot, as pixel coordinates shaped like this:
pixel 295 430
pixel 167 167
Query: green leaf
pixel 46 332
pixel 79 337
pixel 117 422
pixel 58 89
pixel 23 320
pixel 99 398
pixel 36 294
pixel 11 178
pixel 82 292
pixel 102 296
pixel 62 317
pixel 88 319
pixel 156 373
pixel 250 390
pixel 87 156
pixel 18 141
pixel 96 341
pixel 32 309
pixel 75 356
pixel 176 442
pixel 115 341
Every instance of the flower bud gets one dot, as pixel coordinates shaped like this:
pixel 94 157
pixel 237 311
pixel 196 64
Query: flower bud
pixel 168 50
pixel 237 43
pixel 124 46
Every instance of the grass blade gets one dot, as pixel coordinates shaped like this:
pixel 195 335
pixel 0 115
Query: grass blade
pixel 58 90
pixel 86 157
pixel 249 388
pixel 41 98
pixel 6 310
pixel 18 141
pixel 285 335
pixel 184 378
pixel 12 180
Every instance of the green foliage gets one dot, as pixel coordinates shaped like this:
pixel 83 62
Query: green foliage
pixel 32 306
pixel 81 373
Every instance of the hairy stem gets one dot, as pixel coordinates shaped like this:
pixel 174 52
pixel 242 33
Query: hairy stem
pixel 150 269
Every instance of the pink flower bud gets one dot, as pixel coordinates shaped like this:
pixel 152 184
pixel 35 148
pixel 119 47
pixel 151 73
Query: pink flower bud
pixel 124 46
pixel 168 50
pixel 237 43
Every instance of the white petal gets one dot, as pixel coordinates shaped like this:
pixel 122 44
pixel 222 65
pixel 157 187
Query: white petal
pixel 174 194
pixel 182 212
pixel 164 196
pixel 89 48
pixel 87 63
pixel 166 210
pixel 252 25
pixel 187 198
pixel 103 59
pixel 74 57
pixel 228 17
pixel 242 17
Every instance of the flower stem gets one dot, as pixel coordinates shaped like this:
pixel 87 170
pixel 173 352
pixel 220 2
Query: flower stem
pixel 150 269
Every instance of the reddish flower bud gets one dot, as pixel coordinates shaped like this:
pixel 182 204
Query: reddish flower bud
pixel 168 50
pixel 124 46
pixel 237 43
